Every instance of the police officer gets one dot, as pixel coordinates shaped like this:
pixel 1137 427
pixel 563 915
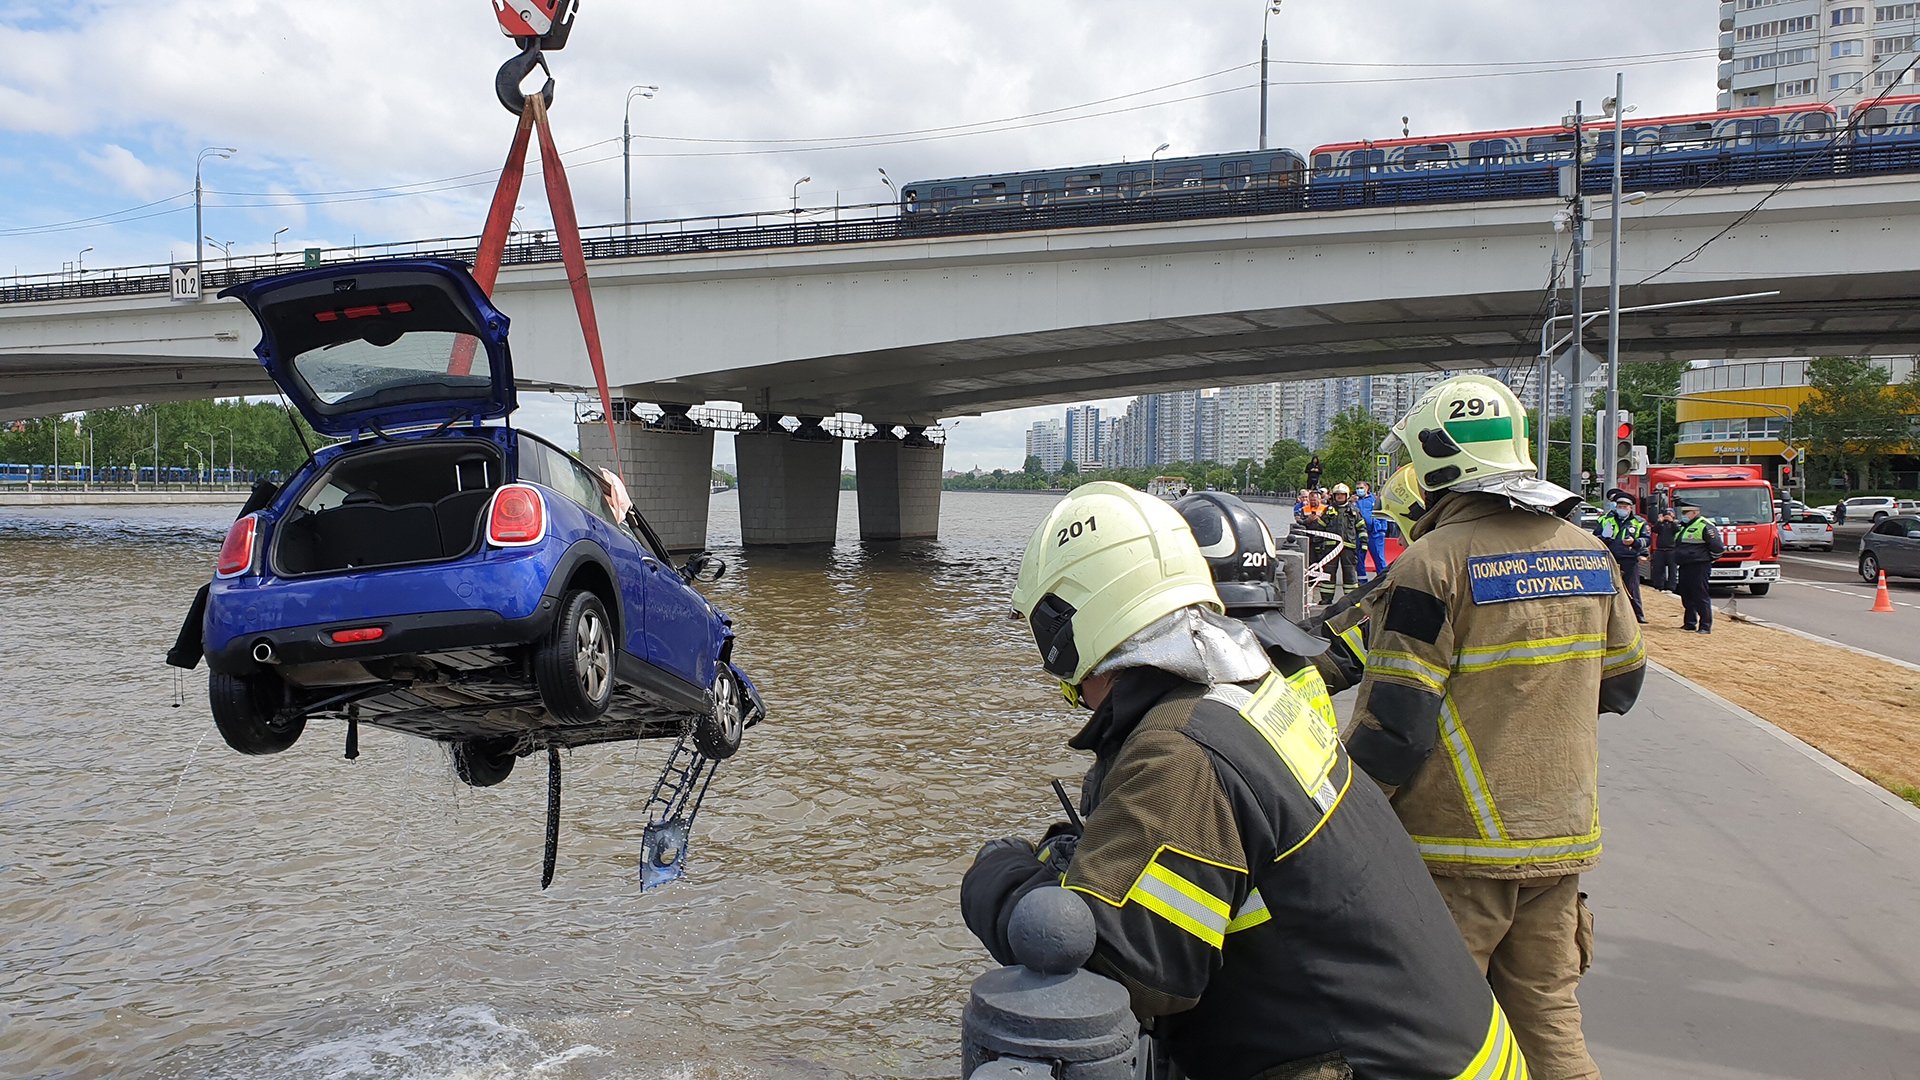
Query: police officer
pixel 1626 536
pixel 1665 528
pixel 1695 547
pixel 1501 636
pixel 1256 898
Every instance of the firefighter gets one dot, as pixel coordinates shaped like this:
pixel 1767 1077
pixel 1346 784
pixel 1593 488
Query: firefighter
pixel 1626 535
pixel 1257 900
pixel 1502 635
pixel 1342 519
pixel 1243 559
pixel 1695 547
pixel 1344 625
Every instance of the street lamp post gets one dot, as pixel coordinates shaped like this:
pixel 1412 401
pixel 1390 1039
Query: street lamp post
pixel 201 461
pixel 80 263
pixel 626 150
pixel 276 241
pixel 894 191
pixel 226 249
pixel 1153 165
pixel 1618 107
pixel 199 227
pixel 796 197
pixel 229 430
pixel 1271 8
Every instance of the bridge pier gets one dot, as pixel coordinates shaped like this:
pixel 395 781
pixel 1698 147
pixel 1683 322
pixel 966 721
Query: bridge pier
pixel 899 484
pixel 789 484
pixel 668 468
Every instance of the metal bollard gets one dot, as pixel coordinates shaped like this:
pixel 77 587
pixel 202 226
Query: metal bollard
pixel 1049 1017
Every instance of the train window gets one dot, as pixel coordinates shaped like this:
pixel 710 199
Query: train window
pixel 1550 147
pixel 1488 151
pixel 1430 156
pixel 996 188
pixel 1236 168
pixel 1368 160
pixel 1032 187
pixel 1322 161
pixel 1183 174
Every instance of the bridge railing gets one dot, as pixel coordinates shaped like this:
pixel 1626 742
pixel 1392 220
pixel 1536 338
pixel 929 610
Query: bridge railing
pixel 588 411
pixel 883 222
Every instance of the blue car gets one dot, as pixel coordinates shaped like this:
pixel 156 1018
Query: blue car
pixel 441 575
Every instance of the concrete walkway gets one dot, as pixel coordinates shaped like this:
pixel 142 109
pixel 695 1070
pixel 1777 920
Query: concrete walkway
pixel 1757 909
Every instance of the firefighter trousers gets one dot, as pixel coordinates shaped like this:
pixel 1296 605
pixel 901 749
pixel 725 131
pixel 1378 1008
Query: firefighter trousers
pixel 1534 939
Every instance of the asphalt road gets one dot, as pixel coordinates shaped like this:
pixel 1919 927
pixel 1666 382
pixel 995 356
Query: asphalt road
pixel 1822 594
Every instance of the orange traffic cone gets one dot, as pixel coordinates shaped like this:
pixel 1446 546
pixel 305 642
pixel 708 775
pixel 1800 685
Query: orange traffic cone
pixel 1881 601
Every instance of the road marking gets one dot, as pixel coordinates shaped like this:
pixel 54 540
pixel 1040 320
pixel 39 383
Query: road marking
pixel 1810 561
pixel 1855 593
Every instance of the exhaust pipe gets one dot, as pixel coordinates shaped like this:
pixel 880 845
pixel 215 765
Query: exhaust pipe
pixel 263 653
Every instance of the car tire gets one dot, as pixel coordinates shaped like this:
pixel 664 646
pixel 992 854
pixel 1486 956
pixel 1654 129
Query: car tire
pixel 247 710
pixel 1760 590
pixel 1879 516
pixel 717 735
pixel 1869 568
pixel 573 663
pixel 482 762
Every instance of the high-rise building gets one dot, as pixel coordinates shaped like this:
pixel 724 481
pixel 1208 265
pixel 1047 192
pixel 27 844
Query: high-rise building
pixel 1805 52
pixel 1083 434
pixel 1249 422
pixel 1047 441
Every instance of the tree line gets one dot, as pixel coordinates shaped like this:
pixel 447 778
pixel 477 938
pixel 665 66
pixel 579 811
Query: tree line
pixel 259 436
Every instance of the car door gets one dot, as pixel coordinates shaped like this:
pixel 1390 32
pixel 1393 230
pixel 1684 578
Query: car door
pixel 1903 546
pixel 680 624
pixel 564 474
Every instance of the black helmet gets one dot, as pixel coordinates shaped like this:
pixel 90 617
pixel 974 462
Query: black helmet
pixel 1238 547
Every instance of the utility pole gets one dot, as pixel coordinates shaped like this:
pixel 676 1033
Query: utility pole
pixel 1576 404
pixel 1270 9
pixel 1603 439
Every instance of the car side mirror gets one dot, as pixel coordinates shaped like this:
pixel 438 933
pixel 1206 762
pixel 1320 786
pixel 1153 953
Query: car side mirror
pixel 704 567
pixel 1913 534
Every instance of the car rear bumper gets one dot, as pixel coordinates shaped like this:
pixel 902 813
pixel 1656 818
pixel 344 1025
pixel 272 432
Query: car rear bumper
pixel 401 635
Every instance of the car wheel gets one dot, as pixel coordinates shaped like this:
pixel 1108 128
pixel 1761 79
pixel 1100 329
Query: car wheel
pixel 717 735
pixel 573 664
pixel 483 762
pixel 247 710
pixel 1869 568
pixel 1760 590
pixel 1879 517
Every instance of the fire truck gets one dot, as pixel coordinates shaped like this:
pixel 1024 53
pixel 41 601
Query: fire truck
pixel 1736 498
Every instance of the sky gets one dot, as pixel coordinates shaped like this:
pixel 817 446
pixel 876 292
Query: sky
pixel 366 121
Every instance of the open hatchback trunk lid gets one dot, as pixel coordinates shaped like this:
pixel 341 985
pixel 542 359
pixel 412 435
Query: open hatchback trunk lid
pixel 382 344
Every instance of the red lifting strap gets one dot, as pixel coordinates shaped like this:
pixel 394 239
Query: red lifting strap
pixel 566 227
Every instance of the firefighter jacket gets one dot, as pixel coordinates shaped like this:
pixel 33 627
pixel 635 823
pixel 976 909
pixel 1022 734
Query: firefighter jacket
pixel 1344 626
pixel 1500 638
pixel 1264 910
pixel 1698 541
pixel 1343 520
pixel 1626 539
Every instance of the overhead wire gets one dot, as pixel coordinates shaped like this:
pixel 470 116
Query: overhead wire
pixel 1858 112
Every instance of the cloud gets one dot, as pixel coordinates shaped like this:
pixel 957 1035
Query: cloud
pixel 126 172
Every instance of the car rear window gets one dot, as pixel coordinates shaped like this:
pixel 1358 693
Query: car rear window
pixel 1809 519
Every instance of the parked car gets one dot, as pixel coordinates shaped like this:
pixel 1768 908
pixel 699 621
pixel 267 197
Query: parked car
pixel 1866 508
pixel 1806 529
pixel 1892 545
pixel 440 575
pixel 1587 515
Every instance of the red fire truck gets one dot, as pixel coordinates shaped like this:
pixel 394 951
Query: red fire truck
pixel 1737 498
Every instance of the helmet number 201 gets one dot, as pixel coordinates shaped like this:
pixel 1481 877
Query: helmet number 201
pixel 1464 407
pixel 1255 559
pixel 1075 530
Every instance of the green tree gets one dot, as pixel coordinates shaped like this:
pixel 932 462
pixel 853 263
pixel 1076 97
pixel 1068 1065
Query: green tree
pixel 1033 466
pixel 1852 420
pixel 1352 442
pixel 1070 468
pixel 1286 466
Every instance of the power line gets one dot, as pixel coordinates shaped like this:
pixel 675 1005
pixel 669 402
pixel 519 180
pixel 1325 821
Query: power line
pixel 74 224
pixel 1853 123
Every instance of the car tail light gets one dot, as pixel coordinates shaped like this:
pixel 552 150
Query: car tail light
pixel 236 554
pixel 518 517
pixel 357 634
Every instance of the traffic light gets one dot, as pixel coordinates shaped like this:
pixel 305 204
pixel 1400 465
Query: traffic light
pixel 1623 444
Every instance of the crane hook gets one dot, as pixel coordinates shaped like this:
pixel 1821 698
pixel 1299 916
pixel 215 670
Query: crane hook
pixel 506 84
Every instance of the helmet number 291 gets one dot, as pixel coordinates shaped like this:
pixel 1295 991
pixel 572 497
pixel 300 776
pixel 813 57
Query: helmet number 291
pixel 1464 407
pixel 1075 530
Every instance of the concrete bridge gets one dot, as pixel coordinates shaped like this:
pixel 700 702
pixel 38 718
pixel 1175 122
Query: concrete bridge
pixel 909 330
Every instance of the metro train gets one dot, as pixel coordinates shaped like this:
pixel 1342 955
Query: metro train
pixel 22 473
pixel 1661 153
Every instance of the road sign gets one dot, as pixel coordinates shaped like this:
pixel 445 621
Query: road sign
pixel 186 282
pixel 310 257
pixel 1383 461
pixel 1789 453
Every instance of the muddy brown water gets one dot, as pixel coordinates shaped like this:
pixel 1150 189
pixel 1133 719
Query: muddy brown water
pixel 171 908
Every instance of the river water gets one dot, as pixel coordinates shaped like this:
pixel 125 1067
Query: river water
pixel 171 908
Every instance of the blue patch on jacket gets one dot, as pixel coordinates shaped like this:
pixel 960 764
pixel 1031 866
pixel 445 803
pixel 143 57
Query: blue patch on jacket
pixel 1537 575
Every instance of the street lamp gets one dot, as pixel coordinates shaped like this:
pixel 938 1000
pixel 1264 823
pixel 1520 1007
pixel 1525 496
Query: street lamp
pixel 229 430
pixel 888 180
pixel 1153 165
pixel 1614 107
pixel 200 460
pixel 1271 8
pixel 199 227
pixel 626 148
pixel 225 246
pixel 80 262
pixel 276 240
pixel 796 196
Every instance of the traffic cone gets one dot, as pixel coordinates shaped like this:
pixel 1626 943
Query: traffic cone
pixel 1882 601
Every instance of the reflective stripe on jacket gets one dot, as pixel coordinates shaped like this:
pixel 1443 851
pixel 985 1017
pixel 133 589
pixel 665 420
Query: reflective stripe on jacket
pixel 1502 636
pixel 1260 905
